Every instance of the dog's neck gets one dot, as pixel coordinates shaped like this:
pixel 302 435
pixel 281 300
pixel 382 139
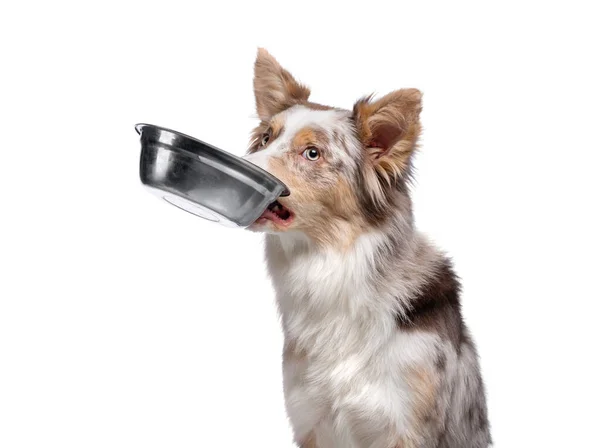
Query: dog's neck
pixel 324 290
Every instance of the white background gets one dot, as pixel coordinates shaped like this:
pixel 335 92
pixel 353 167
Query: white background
pixel 128 323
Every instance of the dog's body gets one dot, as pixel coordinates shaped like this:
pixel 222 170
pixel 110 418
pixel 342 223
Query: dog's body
pixel 376 353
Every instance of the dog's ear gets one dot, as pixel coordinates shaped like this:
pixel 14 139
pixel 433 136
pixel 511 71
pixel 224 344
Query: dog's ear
pixel 389 129
pixel 275 88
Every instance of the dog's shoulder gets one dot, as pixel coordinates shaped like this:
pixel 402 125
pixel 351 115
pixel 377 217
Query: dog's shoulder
pixel 436 306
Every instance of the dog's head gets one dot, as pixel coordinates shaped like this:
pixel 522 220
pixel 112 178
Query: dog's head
pixel 346 170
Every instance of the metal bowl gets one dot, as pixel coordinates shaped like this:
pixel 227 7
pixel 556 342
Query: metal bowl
pixel 203 180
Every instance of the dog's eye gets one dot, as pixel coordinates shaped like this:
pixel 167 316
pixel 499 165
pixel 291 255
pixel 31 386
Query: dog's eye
pixel 311 154
pixel 265 139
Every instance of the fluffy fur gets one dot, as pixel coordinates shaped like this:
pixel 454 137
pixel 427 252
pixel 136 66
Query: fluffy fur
pixel 376 352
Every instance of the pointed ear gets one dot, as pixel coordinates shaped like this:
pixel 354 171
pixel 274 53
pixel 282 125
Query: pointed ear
pixel 275 88
pixel 389 129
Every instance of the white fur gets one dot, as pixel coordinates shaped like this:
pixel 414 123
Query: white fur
pixel 350 391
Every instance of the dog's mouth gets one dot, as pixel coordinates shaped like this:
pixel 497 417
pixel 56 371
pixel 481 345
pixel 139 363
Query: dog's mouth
pixel 277 213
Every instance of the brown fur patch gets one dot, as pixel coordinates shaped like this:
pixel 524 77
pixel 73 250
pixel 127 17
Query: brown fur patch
pixel 309 137
pixel 424 386
pixel 389 129
pixel 383 123
pixel 344 207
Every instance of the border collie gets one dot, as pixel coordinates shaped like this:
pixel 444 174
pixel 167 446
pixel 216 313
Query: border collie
pixel 376 352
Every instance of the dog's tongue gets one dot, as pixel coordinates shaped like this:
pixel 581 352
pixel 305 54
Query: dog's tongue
pixel 268 214
pixel 276 212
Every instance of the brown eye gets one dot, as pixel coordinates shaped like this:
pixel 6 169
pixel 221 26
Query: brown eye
pixel 311 154
pixel 265 139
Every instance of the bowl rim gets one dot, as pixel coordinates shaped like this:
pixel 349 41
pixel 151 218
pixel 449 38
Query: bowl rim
pixel 139 127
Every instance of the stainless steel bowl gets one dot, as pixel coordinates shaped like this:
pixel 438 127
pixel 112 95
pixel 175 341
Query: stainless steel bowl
pixel 203 180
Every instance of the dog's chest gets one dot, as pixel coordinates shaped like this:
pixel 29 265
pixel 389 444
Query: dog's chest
pixel 322 395
pixel 337 396
pixel 321 284
pixel 322 302
pixel 339 361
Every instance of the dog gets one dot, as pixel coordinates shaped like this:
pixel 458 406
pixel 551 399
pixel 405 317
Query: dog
pixel 376 353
